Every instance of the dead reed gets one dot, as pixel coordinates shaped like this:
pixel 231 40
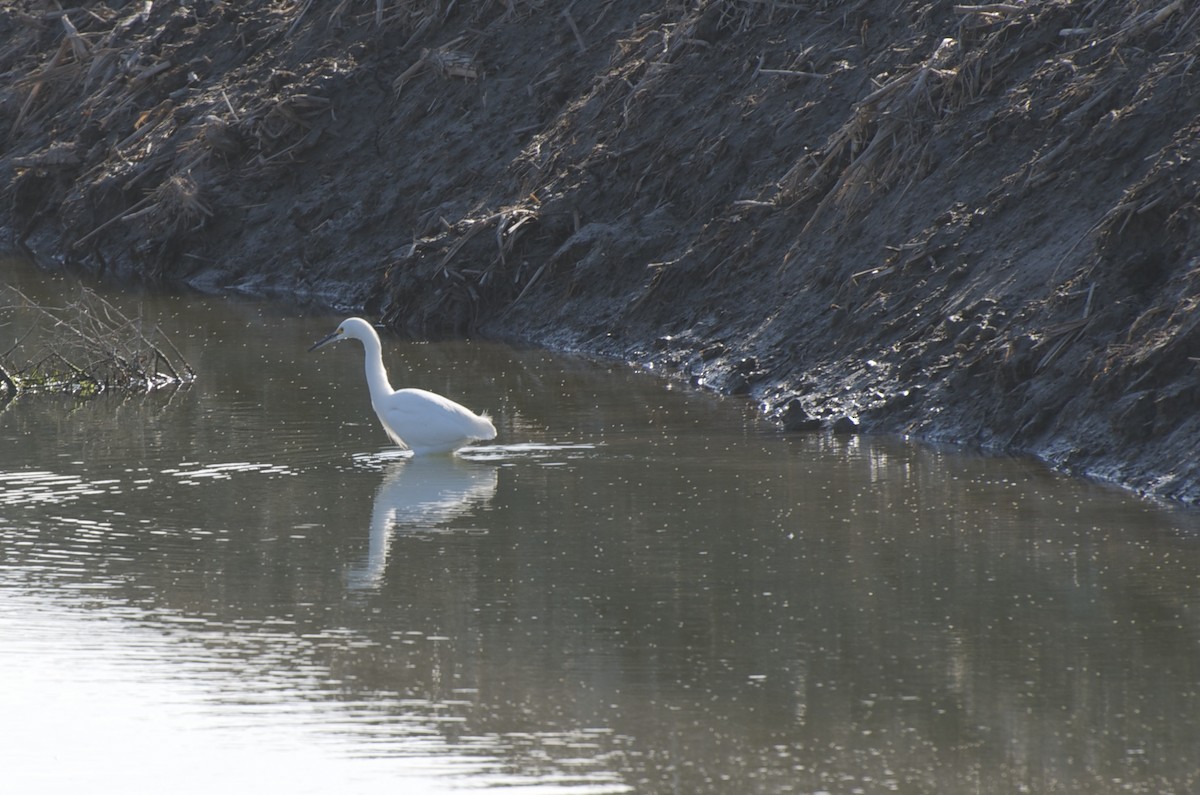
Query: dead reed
pixel 84 347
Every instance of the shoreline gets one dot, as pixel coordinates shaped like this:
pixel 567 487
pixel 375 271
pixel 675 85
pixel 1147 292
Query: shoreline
pixel 954 224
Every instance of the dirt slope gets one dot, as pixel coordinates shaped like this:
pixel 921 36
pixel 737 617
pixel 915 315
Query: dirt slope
pixel 971 223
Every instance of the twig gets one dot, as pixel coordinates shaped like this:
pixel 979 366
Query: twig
pixel 79 46
pixel 37 87
pixel 1149 20
pixel 144 76
pixel 9 385
pixel 300 16
pixel 17 344
pixel 789 73
pixel 575 29
pixel 991 8
pixel 131 211
pixel 528 285
pixel 175 350
pixel 229 105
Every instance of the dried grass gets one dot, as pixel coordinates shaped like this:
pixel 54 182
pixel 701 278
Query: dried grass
pixel 445 61
pixel 463 267
pixel 883 139
pixel 178 205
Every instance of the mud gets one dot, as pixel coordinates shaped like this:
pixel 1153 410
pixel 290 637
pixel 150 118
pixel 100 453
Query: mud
pixel 965 223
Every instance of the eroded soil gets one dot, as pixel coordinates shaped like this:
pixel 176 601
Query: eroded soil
pixel 969 223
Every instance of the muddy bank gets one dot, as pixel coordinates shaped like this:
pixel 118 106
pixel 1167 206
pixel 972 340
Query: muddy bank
pixel 968 223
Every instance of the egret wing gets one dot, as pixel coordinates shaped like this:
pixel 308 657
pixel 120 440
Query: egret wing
pixel 428 422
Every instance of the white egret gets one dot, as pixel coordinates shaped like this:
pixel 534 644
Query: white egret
pixel 416 420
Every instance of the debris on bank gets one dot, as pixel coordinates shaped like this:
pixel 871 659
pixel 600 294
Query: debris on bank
pixel 971 223
pixel 83 348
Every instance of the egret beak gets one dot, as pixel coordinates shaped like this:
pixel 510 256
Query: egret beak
pixel 334 337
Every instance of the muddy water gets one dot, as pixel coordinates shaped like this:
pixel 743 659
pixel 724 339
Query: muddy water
pixel 239 587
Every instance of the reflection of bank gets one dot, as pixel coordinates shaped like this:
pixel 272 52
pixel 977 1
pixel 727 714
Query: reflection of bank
pixel 420 494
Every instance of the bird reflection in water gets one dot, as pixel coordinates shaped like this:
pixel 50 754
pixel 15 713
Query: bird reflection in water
pixel 421 495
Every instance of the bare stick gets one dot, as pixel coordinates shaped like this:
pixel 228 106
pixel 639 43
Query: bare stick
pixel 575 29
pixel 9 385
pixel 143 203
pixel 33 92
pixel 992 8
pixel 171 345
pixel 789 73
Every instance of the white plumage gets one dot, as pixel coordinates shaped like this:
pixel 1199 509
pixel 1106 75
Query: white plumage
pixel 415 419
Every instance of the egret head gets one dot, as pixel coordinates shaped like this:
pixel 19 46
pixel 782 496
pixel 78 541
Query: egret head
pixel 354 328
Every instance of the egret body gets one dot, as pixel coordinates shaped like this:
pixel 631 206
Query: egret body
pixel 421 421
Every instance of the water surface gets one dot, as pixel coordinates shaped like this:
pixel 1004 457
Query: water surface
pixel 239 586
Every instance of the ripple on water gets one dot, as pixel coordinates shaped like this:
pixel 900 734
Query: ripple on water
pixel 157 682
pixel 494 453
pixel 194 473
pixel 42 487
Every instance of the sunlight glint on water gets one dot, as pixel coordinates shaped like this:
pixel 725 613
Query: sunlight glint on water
pixel 241 587
pixel 127 720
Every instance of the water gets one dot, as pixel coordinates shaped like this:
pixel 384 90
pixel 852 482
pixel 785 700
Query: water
pixel 238 587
